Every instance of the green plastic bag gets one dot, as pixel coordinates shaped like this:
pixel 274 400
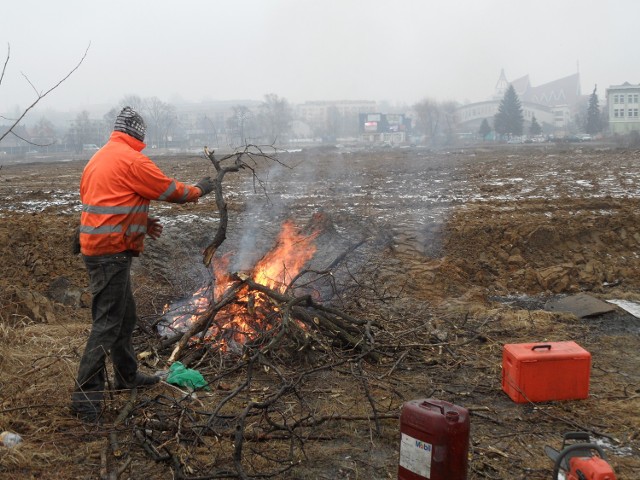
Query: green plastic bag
pixel 186 377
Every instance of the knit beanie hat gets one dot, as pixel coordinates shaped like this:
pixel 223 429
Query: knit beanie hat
pixel 130 122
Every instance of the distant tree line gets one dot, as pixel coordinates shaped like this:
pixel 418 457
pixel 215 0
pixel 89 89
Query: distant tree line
pixel 268 123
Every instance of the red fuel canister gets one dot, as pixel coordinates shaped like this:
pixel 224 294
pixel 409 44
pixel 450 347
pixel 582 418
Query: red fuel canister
pixel 434 441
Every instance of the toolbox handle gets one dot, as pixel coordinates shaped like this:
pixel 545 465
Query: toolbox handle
pixel 426 402
pixel 547 346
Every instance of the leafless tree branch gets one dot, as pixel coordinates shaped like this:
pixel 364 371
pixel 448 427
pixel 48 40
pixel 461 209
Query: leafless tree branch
pixel 252 152
pixel 30 142
pixel 40 95
pixel 4 67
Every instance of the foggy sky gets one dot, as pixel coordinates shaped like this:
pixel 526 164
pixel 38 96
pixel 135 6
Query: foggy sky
pixel 396 51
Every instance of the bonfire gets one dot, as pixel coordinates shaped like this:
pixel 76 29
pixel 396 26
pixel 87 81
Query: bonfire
pixel 240 311
pixel 253 313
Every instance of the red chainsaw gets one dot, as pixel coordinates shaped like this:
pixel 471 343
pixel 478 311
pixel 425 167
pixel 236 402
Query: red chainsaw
pixel 579 459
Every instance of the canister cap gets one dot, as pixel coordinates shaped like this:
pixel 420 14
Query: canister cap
pixel 452 416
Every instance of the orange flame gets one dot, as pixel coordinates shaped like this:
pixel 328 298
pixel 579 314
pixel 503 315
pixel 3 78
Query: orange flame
pixel 253 312
pixel 278 267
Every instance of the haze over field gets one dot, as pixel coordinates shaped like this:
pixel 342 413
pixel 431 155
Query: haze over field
pixel 303 50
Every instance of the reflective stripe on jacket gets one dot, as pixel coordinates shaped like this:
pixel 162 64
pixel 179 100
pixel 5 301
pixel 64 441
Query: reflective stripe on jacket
pixel 116 187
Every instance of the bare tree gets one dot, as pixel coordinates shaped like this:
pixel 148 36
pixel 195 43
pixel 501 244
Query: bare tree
pixel 239 121
pixel 275 117
pixel 436 120
pixel 208 128
pixel 134 101
pixel 160 116
pixel 84 131
pixel 108 119
pixel 40 94
pixel 428 118
pixel 44 132
pixel 449 120
pixel 334 122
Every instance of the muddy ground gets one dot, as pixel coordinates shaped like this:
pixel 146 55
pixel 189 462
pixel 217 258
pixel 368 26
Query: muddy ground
pixel 459 253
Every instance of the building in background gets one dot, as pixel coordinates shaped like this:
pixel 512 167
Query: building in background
pixel 554 104
pixel 623 102
pixel 389 128
pixel 330 120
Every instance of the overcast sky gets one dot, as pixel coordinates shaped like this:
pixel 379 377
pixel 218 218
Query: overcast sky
pixel 399 51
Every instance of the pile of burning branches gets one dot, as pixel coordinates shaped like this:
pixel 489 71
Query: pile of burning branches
pixel 263 338
pixel 272 308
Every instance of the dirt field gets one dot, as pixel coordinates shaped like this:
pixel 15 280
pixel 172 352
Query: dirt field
pixel 458 254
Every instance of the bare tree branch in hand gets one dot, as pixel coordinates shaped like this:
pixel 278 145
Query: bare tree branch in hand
pixel 241 159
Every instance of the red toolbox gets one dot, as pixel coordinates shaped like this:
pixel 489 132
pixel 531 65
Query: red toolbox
pixel 540 372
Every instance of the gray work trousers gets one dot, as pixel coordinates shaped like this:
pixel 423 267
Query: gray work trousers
pixel 114 318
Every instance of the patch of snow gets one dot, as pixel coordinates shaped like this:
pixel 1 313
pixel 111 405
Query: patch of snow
pixel 632 307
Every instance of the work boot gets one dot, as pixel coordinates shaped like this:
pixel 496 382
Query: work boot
pixel 87 414
pixel 86 405
pixel 141 381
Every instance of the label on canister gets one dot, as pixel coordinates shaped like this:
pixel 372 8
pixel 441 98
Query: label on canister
pixel 415 455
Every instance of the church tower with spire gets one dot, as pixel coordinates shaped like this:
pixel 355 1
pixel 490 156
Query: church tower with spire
pixel 501 86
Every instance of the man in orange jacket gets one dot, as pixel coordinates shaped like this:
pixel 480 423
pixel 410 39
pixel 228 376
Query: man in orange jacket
pixel 116 188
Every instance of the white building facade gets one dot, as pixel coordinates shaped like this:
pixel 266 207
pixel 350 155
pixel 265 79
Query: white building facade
pixel 624 106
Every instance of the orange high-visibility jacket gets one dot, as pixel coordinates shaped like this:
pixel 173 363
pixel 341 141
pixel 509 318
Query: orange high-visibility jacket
pixel 116 187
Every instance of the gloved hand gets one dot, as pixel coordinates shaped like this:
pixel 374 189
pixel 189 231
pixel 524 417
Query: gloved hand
pixel 206 185
pixel 154 227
